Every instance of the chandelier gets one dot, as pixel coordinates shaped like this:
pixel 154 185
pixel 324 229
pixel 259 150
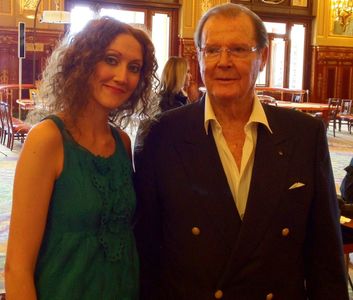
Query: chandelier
pixel 49 16
pixel 54 16
pixel 342 11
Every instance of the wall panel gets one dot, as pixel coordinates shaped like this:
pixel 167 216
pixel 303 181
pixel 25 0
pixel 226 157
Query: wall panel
pixel 332 73
pixel 46 40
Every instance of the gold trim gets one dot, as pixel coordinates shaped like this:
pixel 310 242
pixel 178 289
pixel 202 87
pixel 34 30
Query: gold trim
pixel 300 3
pixel 205 6
pixel 30 6
pixel 273 1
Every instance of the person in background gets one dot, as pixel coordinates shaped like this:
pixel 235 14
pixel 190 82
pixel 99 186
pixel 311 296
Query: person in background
pixel 345 201
pixel 236 199
pixel 174 85
pixel 346 187
pixel 175 81
pixel 71 231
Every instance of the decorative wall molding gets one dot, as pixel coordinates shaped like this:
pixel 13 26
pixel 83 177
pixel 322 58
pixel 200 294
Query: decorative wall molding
pixel 187 49
pixel 29 4
pixel 4 77
pixel 205 5
pixel 46 40
pixel 331 73
pixel 6 39
pixel 334 55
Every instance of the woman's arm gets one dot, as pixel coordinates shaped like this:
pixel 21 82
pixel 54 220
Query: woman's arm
pixel 39 164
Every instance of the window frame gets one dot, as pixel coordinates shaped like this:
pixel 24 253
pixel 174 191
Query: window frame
pixel 290 21
pixel 172 9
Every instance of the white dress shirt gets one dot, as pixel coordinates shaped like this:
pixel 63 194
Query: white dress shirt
pixel 238 180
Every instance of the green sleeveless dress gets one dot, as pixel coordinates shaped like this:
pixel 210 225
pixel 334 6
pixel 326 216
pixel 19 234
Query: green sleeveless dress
pixel 88 249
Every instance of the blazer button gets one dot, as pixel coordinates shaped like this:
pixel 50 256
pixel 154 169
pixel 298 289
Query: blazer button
pixel 218 294
pixel 269 296
pixel 285 231
pixel 195 231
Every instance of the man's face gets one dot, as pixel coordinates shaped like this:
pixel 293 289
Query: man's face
pixel 230 77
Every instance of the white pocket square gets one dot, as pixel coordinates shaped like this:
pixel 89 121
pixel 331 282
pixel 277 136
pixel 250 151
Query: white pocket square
pixel 296 185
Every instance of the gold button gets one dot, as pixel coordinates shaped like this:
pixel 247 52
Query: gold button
pixel 218 294
pixel 285 231
pixel 195 231
pixel 269 296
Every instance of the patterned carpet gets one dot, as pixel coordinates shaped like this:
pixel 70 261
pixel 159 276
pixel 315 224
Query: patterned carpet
pixel 341 150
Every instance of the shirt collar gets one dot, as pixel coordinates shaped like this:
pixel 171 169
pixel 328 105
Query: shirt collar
pixel 257 114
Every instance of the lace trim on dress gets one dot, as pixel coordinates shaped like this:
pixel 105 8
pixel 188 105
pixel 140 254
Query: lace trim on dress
pixel 115 187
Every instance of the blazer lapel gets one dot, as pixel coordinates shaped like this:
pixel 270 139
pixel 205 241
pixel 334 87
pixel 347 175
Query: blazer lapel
pixel 204 169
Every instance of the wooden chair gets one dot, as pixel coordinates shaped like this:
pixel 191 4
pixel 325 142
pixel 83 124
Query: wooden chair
pixel 14 129
pixel 2 130
pixel 333 108
pixel 345 116
pixel 297 97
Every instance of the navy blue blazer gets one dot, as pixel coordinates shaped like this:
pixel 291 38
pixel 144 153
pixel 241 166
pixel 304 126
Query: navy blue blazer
pixel 191 241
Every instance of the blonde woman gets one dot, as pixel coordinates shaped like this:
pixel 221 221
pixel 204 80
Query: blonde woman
pixel 174 83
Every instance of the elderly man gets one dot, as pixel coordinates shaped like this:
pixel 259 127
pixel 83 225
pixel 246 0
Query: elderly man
pixel 236 200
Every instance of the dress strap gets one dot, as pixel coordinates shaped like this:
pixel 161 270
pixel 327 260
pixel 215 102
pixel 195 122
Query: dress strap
pixel 57 121
pixel 118 140
pixel 61 125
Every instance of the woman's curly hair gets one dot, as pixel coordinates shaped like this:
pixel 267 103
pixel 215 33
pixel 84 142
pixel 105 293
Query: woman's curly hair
pixel 64 86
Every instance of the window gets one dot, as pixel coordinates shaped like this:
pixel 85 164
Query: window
pixel 160 38
pixel 80 15
pixel 297 56
pixel 285 66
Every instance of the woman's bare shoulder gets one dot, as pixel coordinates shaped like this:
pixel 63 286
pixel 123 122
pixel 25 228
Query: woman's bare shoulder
pixel 44 134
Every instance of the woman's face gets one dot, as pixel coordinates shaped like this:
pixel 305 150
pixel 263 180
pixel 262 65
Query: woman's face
pixel 188 77
pixel 116 77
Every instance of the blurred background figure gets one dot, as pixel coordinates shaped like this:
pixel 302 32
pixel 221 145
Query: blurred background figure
pixel 175 83
pixel 176 89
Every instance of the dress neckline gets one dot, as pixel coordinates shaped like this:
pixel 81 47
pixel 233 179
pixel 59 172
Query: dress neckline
pixel 84 149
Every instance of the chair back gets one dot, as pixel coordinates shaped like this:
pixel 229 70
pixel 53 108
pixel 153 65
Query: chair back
pixel 2 127
pixel 13 128
pixel 346 106
pixel 5 116
pixel 333 107
pixel 297 98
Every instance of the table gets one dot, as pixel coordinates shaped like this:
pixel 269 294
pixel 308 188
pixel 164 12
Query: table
pixel 304 106
pixel 283 91
pixel 24 104
pixel 6 92
pixel 307 106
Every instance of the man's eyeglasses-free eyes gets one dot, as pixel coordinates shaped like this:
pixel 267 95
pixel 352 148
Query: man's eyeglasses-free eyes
pixel 213 53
